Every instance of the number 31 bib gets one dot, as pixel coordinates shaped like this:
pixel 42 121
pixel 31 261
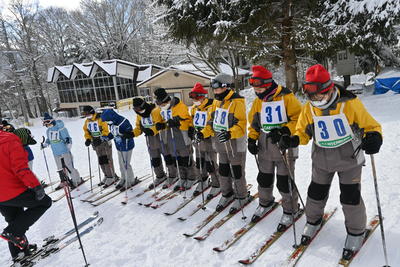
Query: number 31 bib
pixel 332 131
pixel 273 115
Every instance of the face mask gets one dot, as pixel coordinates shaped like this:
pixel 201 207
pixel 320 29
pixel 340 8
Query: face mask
pixel 319 103
pixel 326 101
pixel 142 111
pixel 197 103
pixel 166 107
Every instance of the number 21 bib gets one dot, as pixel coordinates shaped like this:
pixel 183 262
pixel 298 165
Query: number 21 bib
pixel 332 131
pixel 273 115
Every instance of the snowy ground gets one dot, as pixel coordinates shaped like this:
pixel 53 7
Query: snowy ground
pixel 133 235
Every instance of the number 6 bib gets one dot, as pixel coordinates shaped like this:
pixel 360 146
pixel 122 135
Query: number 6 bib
pixel 273 115
pixel 332 131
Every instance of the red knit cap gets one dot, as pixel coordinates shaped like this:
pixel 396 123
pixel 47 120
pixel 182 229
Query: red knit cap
pixel 261 72
pixel 199 89
pixel 318 74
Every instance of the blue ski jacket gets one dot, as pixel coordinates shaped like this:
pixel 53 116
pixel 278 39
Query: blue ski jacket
pixel 58 138
pixel 118 126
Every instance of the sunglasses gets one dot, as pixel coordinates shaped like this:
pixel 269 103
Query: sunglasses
pixel 196 96
pixel 315 87
pixel 259 82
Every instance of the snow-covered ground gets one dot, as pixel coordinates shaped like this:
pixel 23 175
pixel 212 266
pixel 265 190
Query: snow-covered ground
pixel 133 235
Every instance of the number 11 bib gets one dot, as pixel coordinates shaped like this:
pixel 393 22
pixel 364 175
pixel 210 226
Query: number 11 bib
pixel 332 131
pixel 273 115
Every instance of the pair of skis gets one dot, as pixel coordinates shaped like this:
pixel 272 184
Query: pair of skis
pixel 53 244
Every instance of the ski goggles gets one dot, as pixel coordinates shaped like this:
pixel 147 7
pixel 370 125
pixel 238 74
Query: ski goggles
pixel 312 88
pixel 259 82
pixel 196 96
pixel 217 84
pixel 47 122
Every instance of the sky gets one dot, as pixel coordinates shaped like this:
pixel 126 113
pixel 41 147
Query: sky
pixel 69 5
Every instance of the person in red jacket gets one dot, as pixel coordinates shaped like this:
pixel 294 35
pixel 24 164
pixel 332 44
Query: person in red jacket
pixel 22 197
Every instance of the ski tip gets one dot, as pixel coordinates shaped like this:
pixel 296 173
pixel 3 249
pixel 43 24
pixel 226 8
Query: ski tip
pixel 199 238
pixel 245 262
pixel 96 213
pixel 217 249
pixel 187 235
pixel 124 202
pixel 182 219
pixel 167 213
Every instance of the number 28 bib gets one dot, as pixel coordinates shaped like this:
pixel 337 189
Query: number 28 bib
pixel 273 115
pixel 332 131
pixel 220 122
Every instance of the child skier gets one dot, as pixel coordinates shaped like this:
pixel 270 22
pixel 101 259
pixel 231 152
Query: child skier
pixel 340 126
pixel 274 112
pixel 97 134
pixel 206 157
pixel 228 122
pixel 60 142
pixel 174 132
pixel 26 138
pixel 121 130
pixel 147 115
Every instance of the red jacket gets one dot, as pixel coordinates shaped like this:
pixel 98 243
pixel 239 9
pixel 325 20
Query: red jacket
pixel 15 175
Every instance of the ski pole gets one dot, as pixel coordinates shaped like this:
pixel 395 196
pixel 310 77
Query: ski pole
pixel 201 173
pixel 90 170
pixel 293 204
pixel 378 202
pixel 151 164
pixel 163 152
pixel 291 176
pixel 67 191
pixel 234 182
pixel 47 165
pixel 176 159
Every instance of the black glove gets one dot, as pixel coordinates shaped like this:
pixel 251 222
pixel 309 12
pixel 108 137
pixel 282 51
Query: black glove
pixel 148 132
pixel 128 135
pixel 88 142
pixel 96 141
pixel 68 140
pixel 252 146
pixel 275 135
pixel 160 126
pixel 288 141
pixel 198 137
pixel 39 192
pixel 191 132
pixel 224 136
pixel 173 122
pixel 371 143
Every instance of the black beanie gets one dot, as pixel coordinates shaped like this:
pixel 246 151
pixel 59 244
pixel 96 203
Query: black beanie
pixel 138 103
pixel 88 110
pixel 161 96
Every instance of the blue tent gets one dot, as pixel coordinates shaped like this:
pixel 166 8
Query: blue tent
pixel 387 80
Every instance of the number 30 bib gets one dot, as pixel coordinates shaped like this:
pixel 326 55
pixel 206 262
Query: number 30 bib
pixel 332 131
pixel 273 115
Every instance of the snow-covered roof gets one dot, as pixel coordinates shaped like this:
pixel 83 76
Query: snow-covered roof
pixel 147 72
pixel 89 69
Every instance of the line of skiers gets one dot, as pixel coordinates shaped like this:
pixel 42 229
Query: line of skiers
pixel 218 130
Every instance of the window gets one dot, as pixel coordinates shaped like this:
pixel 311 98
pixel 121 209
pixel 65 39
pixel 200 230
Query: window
pixel 84 88
pixel 66 90
pixel 104 86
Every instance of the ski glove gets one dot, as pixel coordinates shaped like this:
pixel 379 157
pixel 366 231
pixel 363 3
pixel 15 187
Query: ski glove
pixel 39 192
pixel 191 133
pixel 88 142
pixel 252 146
pixel 287 141
pixel 68 140
pixel 43 145
pixel 128 135
pixel 148 132
pixel 224 136
pixel 173 122
pixel 198 137
pixel 160 126
pixel 371 143
pixel 96 141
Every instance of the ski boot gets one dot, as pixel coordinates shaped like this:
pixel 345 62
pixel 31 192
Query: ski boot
pixel 189 183
pixel 310 230
pixel 239 203
pixel 157 181
pixel 352 245
pixel 224 201
pixel 201 185
pixel 213 192
pixel 261 211
pixel 286 220
pixel 169 182
pixel 75 185
pixel 19 241
pixel 107 181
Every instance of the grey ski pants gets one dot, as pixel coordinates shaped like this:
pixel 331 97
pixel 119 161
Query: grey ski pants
pixel 124 159
pixel 238 162
pixel 104 155
pixel 69 163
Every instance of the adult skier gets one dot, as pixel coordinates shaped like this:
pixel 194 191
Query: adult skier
pixel 147 115
pixel 228 122
pixel 174 133
pixel 206 158
pixel 60 142
pixel 340 126
pixel 97 134
pixel 22 197
pixel 122 133
pixel 274 112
